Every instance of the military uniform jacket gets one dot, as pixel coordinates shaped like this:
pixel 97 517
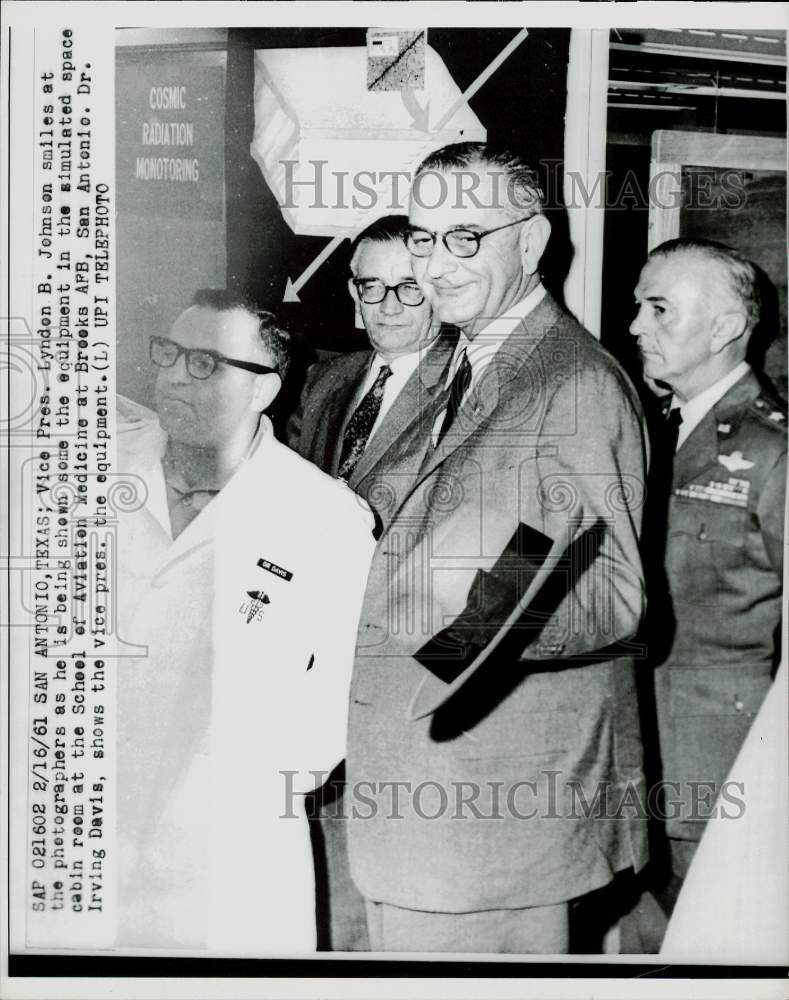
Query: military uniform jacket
pixel 553 441
pixel 724 568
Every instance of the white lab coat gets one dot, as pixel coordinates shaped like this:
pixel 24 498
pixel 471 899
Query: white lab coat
pixel 214 843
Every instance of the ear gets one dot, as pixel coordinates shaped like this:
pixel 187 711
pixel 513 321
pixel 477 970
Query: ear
pixel 357 309
pixel 533 240
pixel 726 328
pixel 264 391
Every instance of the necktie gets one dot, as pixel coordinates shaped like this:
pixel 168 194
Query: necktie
pixel 673 421
pixel 361 423
pixel 457 391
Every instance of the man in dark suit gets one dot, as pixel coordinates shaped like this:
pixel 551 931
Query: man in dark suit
pixel 397 318
pixel 717 643
pixel 493 729
pixel 353 409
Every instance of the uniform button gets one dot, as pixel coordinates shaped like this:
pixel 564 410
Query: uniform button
pixel 702 535
pixel 739 706
pixel 760 404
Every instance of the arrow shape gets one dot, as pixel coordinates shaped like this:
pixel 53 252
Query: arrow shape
pixel 419 114
pixel 505 53
pixel 292 287
pixel 400 56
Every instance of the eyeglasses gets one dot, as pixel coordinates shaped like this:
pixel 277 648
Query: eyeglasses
pixel 372 291
pixel 459 242
pixel 200 363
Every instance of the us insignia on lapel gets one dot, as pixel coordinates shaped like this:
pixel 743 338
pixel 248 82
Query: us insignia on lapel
pixel 735 462
pixel 253 608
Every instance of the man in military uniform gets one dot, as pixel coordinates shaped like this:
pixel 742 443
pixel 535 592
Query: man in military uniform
pixel 697 307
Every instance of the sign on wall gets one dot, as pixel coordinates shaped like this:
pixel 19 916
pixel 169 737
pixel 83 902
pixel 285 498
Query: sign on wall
pixel 170 139
pixel 170 175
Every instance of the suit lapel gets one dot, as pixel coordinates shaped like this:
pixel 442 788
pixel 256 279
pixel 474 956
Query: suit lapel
pixel 698 452
pixel 338 406
pixel 388 480
pixel 406 416
pixel 476 407
pixel 196 535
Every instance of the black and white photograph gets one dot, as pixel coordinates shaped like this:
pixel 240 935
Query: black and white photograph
pixel 395 444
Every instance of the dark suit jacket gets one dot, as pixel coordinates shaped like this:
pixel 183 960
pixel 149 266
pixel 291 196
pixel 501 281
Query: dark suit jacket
pixel 724 567
pixel 317 427
pixel 509 768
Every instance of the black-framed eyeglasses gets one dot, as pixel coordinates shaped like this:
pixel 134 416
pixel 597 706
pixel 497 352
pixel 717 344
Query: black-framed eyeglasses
pixel 460 242
pixel 200 362
pixel 371 291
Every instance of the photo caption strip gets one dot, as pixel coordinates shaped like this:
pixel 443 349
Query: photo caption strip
pixel 62 475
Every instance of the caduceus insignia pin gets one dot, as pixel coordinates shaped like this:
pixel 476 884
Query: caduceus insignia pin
pixel 257 599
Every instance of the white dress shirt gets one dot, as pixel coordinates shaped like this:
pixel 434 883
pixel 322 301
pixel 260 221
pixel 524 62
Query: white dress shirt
pixel 483 348
pixel 694 411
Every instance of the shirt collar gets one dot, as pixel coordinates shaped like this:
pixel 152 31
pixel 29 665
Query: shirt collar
pixel 704 401
pixel 694 411
pixel 402 365
pixel 176 480
pixel 481 350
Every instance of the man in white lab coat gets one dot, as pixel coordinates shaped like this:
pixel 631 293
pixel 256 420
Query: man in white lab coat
pixel 241 573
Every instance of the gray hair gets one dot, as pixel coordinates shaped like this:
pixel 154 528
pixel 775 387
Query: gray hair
pixel 741 273
pixel 523 185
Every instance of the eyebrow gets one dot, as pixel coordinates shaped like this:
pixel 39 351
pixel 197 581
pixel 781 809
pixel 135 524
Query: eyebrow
pixel 458 225
pixel 407 280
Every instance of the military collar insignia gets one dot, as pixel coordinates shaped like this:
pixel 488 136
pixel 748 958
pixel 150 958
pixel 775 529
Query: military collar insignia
pixel 735 462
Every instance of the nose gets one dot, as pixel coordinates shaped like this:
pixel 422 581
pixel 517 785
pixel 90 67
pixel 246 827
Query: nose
pixel 440 261
pixel 391 305
pixel 638 326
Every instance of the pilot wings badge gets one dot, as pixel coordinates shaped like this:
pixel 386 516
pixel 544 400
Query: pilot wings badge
pixel 253 609
pixel 735 462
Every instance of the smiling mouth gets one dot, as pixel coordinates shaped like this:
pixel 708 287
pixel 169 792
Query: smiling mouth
pixel 170 400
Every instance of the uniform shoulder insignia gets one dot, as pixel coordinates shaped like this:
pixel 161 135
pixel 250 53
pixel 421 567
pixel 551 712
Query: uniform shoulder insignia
pixel 771 410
